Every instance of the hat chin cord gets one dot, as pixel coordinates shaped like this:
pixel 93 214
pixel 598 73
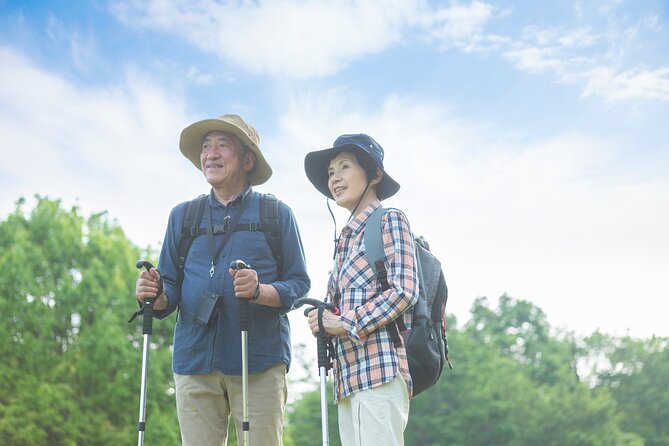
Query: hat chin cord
pixel 334 220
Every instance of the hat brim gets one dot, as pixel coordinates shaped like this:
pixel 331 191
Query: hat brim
pixel 316 167
pixel 192 136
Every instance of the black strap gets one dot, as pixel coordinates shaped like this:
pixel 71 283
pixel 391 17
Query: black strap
pixel 373 235
pixel 269 224
pixel 227 233
pixel 191 220
pixel 222 229
pixel 397 325
pixel 270 220
pixel 140 312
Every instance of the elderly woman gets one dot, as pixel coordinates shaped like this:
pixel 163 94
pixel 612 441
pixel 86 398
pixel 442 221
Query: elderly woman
pixel 371 373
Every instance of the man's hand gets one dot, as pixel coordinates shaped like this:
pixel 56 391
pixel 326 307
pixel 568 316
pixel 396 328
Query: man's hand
pixel 246 282
pixel 147 286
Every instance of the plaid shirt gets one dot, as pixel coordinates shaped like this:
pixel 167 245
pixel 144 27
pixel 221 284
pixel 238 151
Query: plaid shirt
pixel 367 358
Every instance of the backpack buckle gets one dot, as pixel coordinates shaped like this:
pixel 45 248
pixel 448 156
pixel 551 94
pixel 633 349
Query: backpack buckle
pixel 194 231
pixel 254 226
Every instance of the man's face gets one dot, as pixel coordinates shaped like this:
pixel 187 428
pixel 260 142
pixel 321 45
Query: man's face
pixel 223 160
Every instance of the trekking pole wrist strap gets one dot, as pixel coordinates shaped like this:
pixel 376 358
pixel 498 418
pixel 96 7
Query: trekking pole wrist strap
pixel 256 295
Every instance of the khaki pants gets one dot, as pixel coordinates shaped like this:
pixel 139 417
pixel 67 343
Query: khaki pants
pixel 375 416
pixel 205 403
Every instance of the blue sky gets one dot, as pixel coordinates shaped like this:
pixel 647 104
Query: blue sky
pixel 530 138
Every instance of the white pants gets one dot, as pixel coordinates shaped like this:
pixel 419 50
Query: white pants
pixel 375 416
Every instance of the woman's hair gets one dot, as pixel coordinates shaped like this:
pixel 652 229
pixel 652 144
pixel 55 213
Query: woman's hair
pixel 365 161
pixel 367 164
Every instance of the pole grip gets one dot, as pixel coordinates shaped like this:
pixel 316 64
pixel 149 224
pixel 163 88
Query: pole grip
pixel 147 308
pixel 243 314
pixel 243 303
pixel 147 323
pixel 322 342
pixel 322 336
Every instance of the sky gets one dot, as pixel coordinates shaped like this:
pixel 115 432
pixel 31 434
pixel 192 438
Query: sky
pixel 529 138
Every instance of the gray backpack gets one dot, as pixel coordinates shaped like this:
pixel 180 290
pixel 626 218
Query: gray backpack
pixel 425 342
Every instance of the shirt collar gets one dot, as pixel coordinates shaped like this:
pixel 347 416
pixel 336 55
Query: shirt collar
pixel 356 224
pixel 238 199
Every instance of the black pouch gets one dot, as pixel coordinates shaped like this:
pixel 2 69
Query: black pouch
pixel 207 309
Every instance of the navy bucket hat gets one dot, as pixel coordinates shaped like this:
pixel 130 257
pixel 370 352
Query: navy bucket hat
pixel 316 163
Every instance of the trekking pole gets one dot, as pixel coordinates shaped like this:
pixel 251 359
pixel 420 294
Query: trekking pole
pixel 147 328
pixel 324 363
pixel 244 327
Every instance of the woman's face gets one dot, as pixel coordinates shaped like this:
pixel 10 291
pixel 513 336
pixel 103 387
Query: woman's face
pixel 346 180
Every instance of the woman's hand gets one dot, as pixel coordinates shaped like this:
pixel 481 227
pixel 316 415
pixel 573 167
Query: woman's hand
pixel 331 323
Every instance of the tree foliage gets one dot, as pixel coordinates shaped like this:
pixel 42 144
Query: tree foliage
pixel 71 364
pixel 516 383
pixel 636 372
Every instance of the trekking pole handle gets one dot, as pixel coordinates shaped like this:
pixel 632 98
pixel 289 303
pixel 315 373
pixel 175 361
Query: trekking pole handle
pixel 322 336
pixel 147 324
pixel 239 264
pixel 315 304
pixel 243 303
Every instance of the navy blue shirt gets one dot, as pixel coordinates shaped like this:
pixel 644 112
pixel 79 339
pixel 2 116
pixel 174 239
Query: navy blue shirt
pixel 199 349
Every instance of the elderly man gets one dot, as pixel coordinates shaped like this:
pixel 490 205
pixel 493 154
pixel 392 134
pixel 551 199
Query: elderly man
pixel 235 223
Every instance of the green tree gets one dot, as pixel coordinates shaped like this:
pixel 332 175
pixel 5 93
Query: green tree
pixel 520 331
pixel 636 373
pixel 514 383
pixel 542 399
pixel 304 419
pixel 71 364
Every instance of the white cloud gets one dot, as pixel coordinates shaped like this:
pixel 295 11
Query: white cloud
pixel 459 26
pixel 281 38
pixel 81 48
pixel 110 148
pixel 546 220
pixel 552 49
pixel 295 39
pixel 653 22
pixel 543 219
pixel 579 37
pixel 198 78
pixel 563 52
pixel 302 40
pixel 631 84
pixel 535 59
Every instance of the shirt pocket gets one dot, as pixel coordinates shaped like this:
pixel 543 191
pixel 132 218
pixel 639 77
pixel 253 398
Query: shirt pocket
pixel 254 249
pixel 356 272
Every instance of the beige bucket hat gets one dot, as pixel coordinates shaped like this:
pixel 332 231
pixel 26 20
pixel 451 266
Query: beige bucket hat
pixel 192 136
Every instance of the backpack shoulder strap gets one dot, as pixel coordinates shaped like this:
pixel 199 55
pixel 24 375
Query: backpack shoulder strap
pixel 374 246
pixel 270 221
pixel 375 255
pixel 190 229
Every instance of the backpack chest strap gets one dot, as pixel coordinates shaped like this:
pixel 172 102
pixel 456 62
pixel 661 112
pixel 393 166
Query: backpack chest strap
pixel 222 229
